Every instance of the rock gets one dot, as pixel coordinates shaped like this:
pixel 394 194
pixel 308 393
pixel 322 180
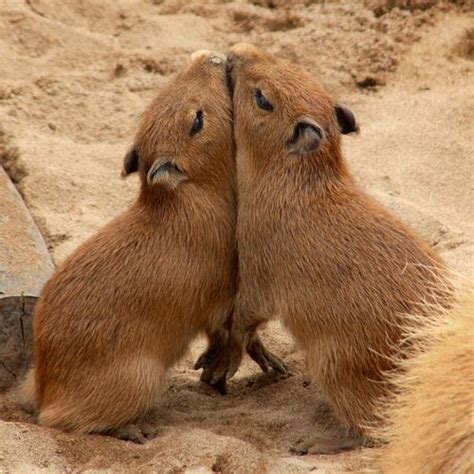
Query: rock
pixel 25 263
pixel 16 338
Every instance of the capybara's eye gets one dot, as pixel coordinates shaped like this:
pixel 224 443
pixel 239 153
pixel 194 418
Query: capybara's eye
pixel 198 122
pixel 262 101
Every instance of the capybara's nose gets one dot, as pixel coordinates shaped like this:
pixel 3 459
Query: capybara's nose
pixel 217 58
pixel 199 53
pixel 240 53
pixel 214 58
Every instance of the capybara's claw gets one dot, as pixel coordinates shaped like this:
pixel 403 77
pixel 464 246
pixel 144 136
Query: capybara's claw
pixel 300 451
pixel 202 362
pixel 210 356
pixel 215 374
pixel 279 366
pixel 221 385
pixel 264 358
pixel 218 376
pixel 215 380
pixel 262 362
pixel 329 445
pixel 223 363
pixel 129 433
pixel 207 358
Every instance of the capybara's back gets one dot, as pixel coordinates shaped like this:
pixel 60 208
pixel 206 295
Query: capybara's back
pixel 430 422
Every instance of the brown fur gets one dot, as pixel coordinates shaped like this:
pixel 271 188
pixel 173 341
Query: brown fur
pixel 125 305
pixel 430 427
pixel 25 393
pixel 315 250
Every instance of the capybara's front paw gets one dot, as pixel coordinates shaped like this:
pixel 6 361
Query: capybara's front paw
pixel 224 365
pixel 264 358
pixel 216 344
pixel 215 362
pixel 215 374
pixel 205 359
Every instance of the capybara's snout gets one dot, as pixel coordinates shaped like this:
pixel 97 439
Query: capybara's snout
pixel 212 58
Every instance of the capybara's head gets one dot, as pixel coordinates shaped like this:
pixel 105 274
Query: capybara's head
pixel 280 111
pixel 185 137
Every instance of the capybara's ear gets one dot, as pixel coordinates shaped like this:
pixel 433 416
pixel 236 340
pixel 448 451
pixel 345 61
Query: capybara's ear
pixel 164 172
pixel 130 162
pixel 307 137
pixel 346 119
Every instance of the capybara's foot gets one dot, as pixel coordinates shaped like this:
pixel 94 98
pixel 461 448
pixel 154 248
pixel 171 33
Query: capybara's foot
pixel 215 374
pixel 223 364
pixel 331 445
pixel 205 359
pixel 137 434
pixel 228 358
pixel 223 367
pixel 216 344
pixel 210 361
pixel 264 358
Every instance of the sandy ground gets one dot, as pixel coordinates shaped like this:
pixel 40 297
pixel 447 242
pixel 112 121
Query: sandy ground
pixel 74 77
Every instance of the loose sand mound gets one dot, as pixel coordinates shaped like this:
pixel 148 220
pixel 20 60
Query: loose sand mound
pixel 74 77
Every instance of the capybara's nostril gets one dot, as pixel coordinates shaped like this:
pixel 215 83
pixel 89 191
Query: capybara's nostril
pixel 215 59
pixel 212 56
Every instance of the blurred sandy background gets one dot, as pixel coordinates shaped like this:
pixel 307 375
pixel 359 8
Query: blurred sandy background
pixel 75 76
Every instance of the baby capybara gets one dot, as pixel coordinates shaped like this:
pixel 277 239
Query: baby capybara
pixel 123 308
pixel 315 250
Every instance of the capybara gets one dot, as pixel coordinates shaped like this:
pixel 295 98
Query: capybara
pixel 125 305
pixel 315 250
pixel 430 426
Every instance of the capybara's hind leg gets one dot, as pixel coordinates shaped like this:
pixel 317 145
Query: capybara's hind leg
pixel 112 402
pixel 352 391
pixel 353 397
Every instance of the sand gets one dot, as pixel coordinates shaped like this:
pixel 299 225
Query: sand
pixel 74 77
